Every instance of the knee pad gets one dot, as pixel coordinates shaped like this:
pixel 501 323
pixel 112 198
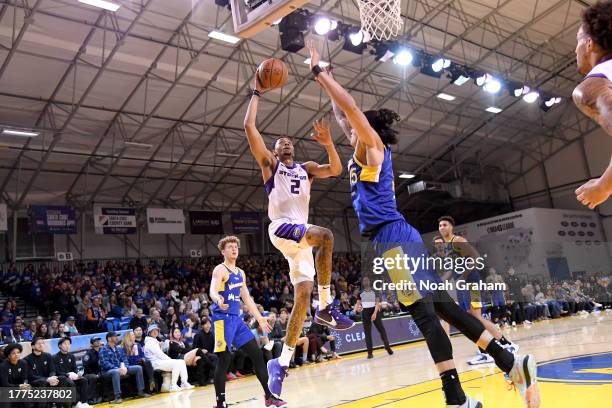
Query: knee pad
pixel 439 344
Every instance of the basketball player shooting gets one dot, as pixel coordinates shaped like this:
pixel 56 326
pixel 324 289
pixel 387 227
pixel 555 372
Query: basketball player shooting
pixel 371 177
pixel 288 186
pixel 594 94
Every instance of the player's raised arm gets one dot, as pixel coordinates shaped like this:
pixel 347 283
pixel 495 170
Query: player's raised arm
pixel 341 117
pixel 594 98
pixel 346 103
pixel 323 136
pixel 217 279
pixel 263 156
pixel 250 304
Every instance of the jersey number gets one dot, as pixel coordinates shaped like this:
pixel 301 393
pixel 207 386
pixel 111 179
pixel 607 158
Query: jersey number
pixel 295 186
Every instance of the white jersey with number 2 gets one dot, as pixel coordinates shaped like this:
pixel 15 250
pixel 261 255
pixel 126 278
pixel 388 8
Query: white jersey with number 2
pixel 289 193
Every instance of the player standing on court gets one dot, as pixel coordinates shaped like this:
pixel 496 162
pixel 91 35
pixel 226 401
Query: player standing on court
pixel 373 196
pixel 472 300
pixel 227 287
pixel 594 94
pixel 288 186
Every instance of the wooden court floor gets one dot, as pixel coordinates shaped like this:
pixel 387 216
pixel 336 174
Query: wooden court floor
pixel 575 370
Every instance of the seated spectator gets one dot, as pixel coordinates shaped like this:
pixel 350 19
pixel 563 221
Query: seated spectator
pixel 302 343
pixel 53 328
pixel 139 336
pixel 91 359
pixel 96 316
pixel 14 371
pixel 65 366
pixel 136 356
pixel 161 361
pixel 114 363
pixel 157 320
pixel 61 331
pixel 43 331
pixel 70 327
pixel 194 357
pixel 41 370
pixel 318 336
pixel 31 332
pixel 205 341
pixel 173 320
pixel 187 332
pixel 139 321
pixel 6 323
pixel 16 334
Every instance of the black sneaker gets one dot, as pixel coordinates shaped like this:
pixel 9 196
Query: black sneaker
pixel 370 355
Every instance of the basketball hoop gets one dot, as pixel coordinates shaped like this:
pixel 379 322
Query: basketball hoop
pixel 382 19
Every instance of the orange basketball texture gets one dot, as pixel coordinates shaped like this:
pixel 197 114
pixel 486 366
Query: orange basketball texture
pixel 272 73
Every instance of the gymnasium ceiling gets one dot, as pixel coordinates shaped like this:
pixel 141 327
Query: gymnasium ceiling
pixel 90 80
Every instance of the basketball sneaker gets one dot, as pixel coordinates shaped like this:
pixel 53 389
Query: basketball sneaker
pixel 470 403
pixel 512 347
pixel 276 376
pixel 524 378
pixel 275 402
pixel 481 358
pixel 333 319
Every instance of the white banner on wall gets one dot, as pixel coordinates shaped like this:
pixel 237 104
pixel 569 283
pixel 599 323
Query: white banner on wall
pixel 165 221
pixel 3 217
pixel 110 220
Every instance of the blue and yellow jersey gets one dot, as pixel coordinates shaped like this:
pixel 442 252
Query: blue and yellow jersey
pixel 229 288
pixel 373 193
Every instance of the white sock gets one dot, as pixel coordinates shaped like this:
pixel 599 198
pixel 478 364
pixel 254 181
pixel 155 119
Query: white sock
pixel 286 354
pixel 324 296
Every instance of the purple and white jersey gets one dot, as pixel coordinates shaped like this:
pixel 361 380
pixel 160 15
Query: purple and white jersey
pixel 602 70
pixel 289 193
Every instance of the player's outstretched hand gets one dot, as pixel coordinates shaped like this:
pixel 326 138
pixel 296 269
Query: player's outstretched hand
pixel 257 86
pixel 592 193
pixel 314 54
pixel 322 133
pixel 264 324
pixel 221 304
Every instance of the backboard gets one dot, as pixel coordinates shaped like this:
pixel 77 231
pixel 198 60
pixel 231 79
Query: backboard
pixel 252 16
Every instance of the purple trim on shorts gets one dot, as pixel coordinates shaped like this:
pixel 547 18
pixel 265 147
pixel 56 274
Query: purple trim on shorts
pixel 597 75
pixel 294 232
pixel 269 184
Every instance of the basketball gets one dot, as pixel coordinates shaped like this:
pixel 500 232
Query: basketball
pixel 272 73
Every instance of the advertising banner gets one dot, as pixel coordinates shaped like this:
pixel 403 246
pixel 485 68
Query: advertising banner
pixel 165 221
pixel 109 220
pixel 52 219
pixel 246 222
pixel 206 222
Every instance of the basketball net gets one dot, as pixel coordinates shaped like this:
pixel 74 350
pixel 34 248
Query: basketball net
pixel 382 19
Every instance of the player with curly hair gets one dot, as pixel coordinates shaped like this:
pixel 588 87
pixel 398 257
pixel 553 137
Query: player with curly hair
pixel 594 95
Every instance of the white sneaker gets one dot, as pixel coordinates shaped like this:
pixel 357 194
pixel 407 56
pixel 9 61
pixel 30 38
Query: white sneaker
pixel 524 377
pixel 481 358
pixel 470 403
pixel 513 324
pixel 512 347
pixel 174 388
pixel 527 322
pixel 186 386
